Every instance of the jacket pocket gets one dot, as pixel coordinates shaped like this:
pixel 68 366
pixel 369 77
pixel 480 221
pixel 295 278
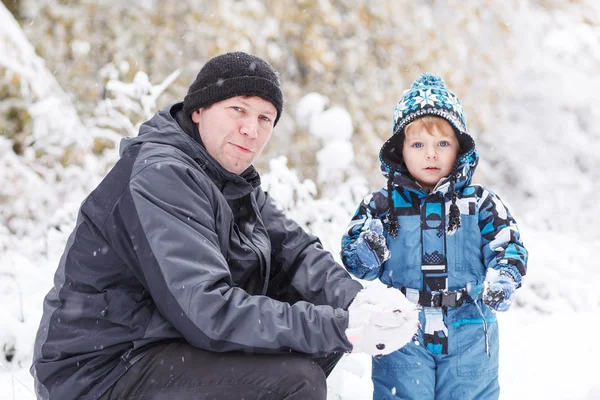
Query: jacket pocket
pixel 464 250
pixel 470 343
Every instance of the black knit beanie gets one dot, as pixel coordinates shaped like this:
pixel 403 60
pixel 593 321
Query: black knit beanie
pixel 234 74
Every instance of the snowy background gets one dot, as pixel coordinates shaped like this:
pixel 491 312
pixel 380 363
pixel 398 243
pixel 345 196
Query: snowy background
pixel 526 72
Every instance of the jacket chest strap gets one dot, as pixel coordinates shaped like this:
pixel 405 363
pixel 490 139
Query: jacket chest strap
pixel 434 265
pixel 442 298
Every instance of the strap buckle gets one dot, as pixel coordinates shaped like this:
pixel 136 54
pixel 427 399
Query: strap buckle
pixel 443 298
pixel 451 299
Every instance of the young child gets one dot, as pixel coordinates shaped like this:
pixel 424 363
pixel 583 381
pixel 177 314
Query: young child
pixel 451 246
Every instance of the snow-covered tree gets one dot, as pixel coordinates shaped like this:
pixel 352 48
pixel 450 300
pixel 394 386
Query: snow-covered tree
pixel 76 76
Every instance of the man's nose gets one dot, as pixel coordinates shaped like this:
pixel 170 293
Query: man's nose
pixel 249 128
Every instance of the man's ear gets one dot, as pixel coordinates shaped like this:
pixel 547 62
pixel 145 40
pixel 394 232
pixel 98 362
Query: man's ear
pixel 196 116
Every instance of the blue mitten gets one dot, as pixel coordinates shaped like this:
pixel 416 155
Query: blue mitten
pixel 498 290
pixel 371 246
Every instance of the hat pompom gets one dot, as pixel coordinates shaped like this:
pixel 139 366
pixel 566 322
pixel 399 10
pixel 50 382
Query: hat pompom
pixel 428 79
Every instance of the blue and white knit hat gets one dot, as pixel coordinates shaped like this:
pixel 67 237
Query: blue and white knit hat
pixel 428 95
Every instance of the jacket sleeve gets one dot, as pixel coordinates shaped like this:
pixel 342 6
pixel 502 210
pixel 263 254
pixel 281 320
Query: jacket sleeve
pixel 172 225
pixel 502 247
pixel 300 263
pixel 371 207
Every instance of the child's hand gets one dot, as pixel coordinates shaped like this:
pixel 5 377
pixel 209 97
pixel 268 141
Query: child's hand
pixel 498 291
pixel 371 245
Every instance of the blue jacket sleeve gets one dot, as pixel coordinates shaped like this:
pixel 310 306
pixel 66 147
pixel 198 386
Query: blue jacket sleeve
pixel 372 207
pixel 502 247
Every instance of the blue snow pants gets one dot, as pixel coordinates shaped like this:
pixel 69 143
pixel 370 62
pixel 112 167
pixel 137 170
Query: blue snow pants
pixel 466 372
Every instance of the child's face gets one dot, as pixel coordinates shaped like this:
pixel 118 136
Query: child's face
pixel 429 151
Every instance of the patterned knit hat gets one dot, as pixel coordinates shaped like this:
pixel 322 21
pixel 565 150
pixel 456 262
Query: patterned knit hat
pixel 428 95
pixel 234 74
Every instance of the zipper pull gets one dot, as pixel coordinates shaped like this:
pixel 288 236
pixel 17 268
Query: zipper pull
pixel 125 356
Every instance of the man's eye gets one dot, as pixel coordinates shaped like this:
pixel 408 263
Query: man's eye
pixel 236 108
pixel 265 118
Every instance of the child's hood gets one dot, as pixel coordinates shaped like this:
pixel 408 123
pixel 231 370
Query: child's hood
pixel 465 168
pixel 428 95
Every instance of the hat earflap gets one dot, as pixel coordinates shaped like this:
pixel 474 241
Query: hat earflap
pixel 454 221
pixel 393 225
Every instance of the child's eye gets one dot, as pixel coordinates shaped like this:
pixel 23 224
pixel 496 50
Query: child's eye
pixel 444 143
pixel 417 145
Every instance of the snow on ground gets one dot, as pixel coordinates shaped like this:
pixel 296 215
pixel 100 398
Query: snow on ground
pixel 550 356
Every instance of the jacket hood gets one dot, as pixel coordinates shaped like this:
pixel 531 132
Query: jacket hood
pixel 163 129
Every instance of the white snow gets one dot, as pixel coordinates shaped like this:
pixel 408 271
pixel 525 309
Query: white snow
pixel 309 106
pixel 332 124
pixel 543 160
pixel 372 307
pixel 541 357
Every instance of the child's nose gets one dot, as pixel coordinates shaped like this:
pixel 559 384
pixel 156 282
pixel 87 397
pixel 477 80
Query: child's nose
pixel 431 153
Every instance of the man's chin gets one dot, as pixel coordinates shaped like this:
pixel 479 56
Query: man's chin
pixel 238 167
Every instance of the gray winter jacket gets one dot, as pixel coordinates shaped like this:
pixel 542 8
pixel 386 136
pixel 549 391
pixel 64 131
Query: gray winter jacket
pixel 171 246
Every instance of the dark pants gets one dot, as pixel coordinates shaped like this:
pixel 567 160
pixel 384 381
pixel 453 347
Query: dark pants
pixel 178 371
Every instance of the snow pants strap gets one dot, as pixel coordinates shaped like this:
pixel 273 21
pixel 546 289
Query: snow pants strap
pixel 434 265
pixel 435 334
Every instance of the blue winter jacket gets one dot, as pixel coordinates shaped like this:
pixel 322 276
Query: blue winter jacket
pixel 488 237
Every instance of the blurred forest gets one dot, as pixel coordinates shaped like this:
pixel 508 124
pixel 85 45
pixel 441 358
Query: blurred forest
pixel 507 61
pixel 360 54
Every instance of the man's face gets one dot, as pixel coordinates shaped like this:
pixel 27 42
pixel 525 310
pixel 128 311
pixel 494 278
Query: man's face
pixel 235 131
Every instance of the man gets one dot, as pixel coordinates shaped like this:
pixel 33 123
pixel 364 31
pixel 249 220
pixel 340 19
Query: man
pixel 183 280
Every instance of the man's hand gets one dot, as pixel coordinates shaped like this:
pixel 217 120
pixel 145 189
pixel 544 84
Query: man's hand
pixel 498 290
pixel 371 245
pixel 382 320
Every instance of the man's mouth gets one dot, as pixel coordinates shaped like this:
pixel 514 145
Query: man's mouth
pixel 241 148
